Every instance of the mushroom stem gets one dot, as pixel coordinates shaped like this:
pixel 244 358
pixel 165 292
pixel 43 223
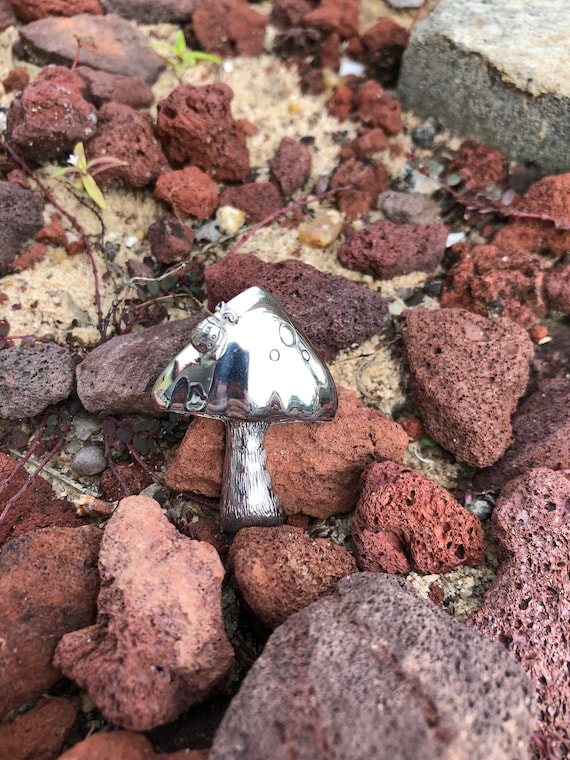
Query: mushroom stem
pixel 247 494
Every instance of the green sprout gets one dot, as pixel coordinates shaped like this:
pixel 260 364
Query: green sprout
pixel 178 56
pixel 82 172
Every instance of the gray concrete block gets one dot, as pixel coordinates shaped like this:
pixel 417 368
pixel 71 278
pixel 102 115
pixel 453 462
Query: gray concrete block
pixel 497 71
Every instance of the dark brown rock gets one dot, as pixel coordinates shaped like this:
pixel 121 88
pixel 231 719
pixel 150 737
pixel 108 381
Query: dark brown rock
pixel 374 671
pixel 496 283
pixel 31 10
pixel 386 250
pixel 541 430
pixel 409 208
pixel 103 87
pixel 367 180
pixel 159 644
pixel 551 359
pixel 257 199
pixel 528 605
pixel 39 733
pixel 196 127
pixel 229 27
pixel 479 166
pixel 50 115
pixel 188 191
pixel 377 108
pixel 33 377
pixel 279 571
pixel 170 239
pixel 315 468
pixel 116 377
pixel 404 520
pixel 7 17
pixel 333 312
pixel 21 217
pixel 339 16
pixel 557 288
pixel 48 586
pixel 152 11
pixel 384 43
pixel 120 49
pixel 290 166
pixel 16 79
pixel 467 374
pixel 127 135
pixel 285 13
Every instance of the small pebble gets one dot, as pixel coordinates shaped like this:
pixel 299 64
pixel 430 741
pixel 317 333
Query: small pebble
pixel 538 333
pixel 230 219
pixel 481 508
pixel 90 460
pixel 320 231
pixel 423 135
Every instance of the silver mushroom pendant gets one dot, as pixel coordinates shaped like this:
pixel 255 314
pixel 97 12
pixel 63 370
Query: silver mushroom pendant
pixel 249 366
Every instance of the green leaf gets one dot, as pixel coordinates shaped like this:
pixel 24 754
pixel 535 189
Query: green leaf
pixel 93 191
pixel 453 180
pixel 425 440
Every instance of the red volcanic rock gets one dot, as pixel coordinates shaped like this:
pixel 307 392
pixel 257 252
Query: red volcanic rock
pixel 557 288
pixel 374 671
pixel 367 180
pixel 541 430
pixel 528 605
pixel 467 374
pixel 315 467
pixel 15 79
pixel 159 645
pixel 53 233
pixel 378 109
pixel 496 283
pixel 285 13
pixel 196 127
pixel 152 11
pixel 132 475
pixel 30 10
pixel 125 745
pixel 549 196
pixel 340 16
pixel 280 570
pixel 39 733
pixel 257 199
pixel 229 27
pixel 7 17
pixel 404 520
pixel 366 145
pixel 188 191
pixel 290 166
pixel 50 116
pixel 127 135
pixel 341 103
pixel 21 216
pixel 48 586
pixel 386 250
pixel 103 87
pixel 384 44
pixel 332 312
pixel 170 239
pixel 478 165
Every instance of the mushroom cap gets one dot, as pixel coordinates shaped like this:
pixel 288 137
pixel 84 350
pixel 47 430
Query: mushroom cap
pixel 248 362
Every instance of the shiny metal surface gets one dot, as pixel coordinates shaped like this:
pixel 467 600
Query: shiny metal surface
pixel 248 365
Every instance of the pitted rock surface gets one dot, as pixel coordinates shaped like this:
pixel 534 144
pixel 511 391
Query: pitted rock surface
pixel 170 239
pixel 404 520
pixel 365 145
pixel 48 586
pixel 339 16
pixel 103 87
pixel 256 199
pixel 467 374
pixel 31 10
pixel 229 27
pixel 374 671
pixel 409 208
pixel 290 166
pixel 332 312
pixel 280 570
pixel 116 377
pixel 121 48
pixel 385 250
pixel 368 180
pixel 557 288
pixel 528 606
pixel 152 11
pixel 125 745
pixel 541 428
pixel 50 115
pixel 315 467
pixel 492 282
pixel 159 644
pixel 479 166
pixel 384 43
pixel 40 732
pixel 188 192
pixel 196 127
pixel 377 108
pixel 33 377
pixel 20 218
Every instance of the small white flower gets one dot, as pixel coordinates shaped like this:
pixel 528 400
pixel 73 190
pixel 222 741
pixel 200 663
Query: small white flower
pixel 72 159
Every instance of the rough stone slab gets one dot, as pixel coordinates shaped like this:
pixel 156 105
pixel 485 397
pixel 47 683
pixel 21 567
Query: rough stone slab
pixel 496 70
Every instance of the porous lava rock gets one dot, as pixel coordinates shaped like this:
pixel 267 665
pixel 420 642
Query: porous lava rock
pixel 551 359
pixel 557 288
pixel 341 103
pixel 496 283
pixel 20 218
pixel 159 644
pixel 384 43
pixel 280 570
pixel 229 27
pixel 47 118
pixel 39 733
pixel 338 16
pixel 528 605
pixel 120 49
pixel 48 586
pixel 33 377
pixel 467 374
pixel 31 10
pixel 386 250
pixel 37 507
pixel 374 671
pixel 170 239
pixel 549 196
pixel 103 87
pixel 257 200
pixel 127 135
pixel 315 467
pixel 362 182
pixel 478 166
pixel 116 377
pixel 377 108
pixel 152 11
pixel 541 431
pixel 365 145
pixel 332 312
pixel 188 191
pixel 290 166
pixel 404 520
pixel 196 126
pixel 125 745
